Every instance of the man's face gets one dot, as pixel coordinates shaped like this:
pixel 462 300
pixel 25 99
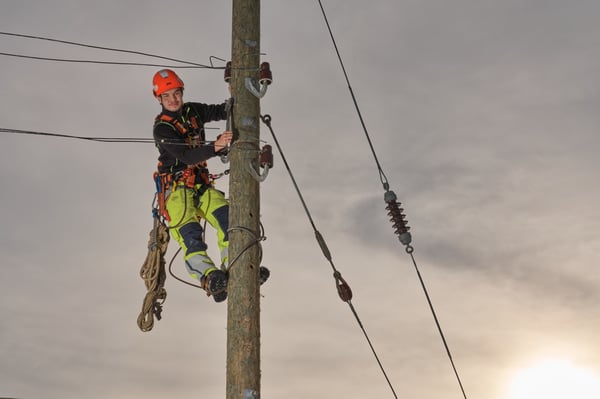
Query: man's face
pixel 172 99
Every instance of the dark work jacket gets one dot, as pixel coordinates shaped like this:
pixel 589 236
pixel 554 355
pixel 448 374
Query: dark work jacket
pixel 175 152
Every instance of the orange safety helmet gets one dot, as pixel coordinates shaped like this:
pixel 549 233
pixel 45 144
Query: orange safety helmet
pixel 164 80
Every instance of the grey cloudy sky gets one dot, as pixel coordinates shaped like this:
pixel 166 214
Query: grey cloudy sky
pixel 484 116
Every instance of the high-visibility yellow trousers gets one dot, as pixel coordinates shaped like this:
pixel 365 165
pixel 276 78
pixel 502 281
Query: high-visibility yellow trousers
pixel 185 210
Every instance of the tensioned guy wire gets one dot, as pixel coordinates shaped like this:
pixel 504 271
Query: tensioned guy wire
pixel 344 290
pixel 397 217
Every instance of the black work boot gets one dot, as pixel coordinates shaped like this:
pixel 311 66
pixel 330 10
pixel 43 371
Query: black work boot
pixel 214 282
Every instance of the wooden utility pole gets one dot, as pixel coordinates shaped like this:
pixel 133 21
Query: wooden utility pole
pixel 243 308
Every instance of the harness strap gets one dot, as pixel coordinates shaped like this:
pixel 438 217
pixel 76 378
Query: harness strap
pixel 194 177
pixel 190 177
pixel 176 123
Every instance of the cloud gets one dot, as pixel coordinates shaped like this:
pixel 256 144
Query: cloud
pixel 483 117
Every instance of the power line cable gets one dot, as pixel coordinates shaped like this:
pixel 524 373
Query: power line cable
pixel 190 64
pixel 394 211
pixel 382 176
pixel 135 140
pixel 68 136
pixel 32 57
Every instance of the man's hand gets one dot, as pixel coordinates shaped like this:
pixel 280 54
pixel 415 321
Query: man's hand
pixel 223 140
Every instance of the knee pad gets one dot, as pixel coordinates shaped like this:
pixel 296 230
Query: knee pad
pixel 222 217
pixel 192 238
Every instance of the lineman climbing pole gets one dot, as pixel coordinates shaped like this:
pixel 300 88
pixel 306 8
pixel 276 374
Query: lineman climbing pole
pixel 243 308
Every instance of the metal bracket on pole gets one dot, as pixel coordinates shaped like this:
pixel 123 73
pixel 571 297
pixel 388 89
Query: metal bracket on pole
pixel 258 177
pixel 250 394
pixel 252 86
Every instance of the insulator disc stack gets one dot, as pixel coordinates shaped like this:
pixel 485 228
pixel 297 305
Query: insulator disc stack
pixel 398 219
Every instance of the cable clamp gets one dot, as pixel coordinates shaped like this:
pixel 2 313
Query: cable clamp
pixel 343 288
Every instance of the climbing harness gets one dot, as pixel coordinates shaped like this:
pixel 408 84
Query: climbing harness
pixel 162 183
pixel 188 127
pixel 193 175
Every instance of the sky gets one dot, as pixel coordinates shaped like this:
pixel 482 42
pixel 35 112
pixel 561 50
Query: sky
pixel 483 115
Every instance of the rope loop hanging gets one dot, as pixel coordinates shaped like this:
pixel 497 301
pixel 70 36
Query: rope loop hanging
pixel 154 276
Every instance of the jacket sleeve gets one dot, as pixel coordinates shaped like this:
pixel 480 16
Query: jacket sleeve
pixel 170 141
pixel 210 112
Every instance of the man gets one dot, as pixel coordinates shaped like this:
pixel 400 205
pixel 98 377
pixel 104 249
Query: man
pixel 189 195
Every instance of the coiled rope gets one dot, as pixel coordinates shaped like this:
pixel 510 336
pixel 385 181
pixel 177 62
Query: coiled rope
pixel 153 274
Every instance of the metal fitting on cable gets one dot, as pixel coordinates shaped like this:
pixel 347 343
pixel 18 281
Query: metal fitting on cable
pixel 342 286
pixel 398 218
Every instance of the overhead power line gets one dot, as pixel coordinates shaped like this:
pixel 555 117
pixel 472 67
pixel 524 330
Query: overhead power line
pixel 135 140
pixel 362 122
pixel 393 206
pixel 104 62
pixel 101 139
pixel 188 64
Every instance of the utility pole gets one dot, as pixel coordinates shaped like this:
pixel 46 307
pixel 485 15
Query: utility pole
pixel 243 307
